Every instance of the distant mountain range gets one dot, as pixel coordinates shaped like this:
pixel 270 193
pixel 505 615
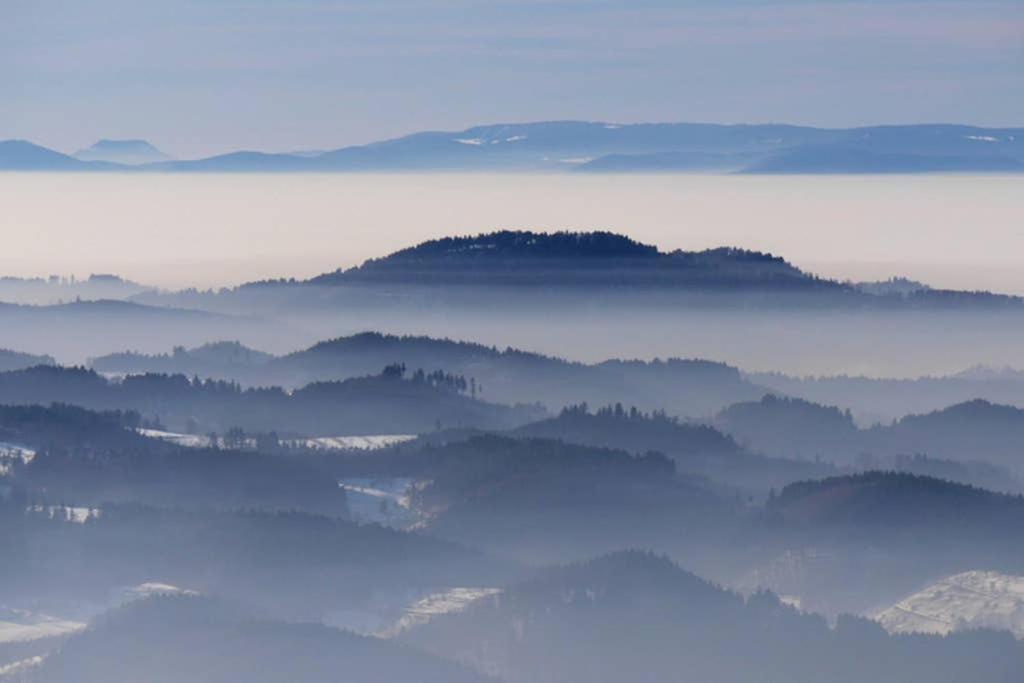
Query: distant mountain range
pixel 609 618
pixel 687 387
pixel 593 147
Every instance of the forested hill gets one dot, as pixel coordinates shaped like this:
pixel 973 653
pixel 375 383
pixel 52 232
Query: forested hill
pixel 894 501
pixel 575 258
pixel 385 403
pixel 690 387
pixel 609 618
pixel 168 639
pixel 16 360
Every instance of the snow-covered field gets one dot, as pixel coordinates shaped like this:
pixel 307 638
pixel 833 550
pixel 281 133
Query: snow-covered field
pixel 367 442
pixel 78 515
pixel 12 451
pixel 385 501
pixel 187 440
pixel 151 588
pixel 975 599
pixel 436 604
pixel 387 616
pixel 353 443
pixel 19 625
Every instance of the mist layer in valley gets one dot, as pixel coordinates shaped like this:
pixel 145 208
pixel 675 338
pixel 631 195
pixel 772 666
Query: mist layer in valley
pixel 516 456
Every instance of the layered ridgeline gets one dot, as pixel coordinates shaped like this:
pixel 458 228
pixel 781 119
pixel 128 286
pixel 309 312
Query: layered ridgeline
pixel 975 441
pixel 172 638
pixel 681 387
pixel 881 400
pixel 56 290
pixel 854 543
pixel 594 147
pixel 78 329
pixel 689 387
pixel 72 456
pixel 556 293
pixel 610 618
pixel 393 401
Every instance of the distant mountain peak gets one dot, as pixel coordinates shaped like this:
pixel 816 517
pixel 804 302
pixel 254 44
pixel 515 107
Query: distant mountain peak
pixel 130 152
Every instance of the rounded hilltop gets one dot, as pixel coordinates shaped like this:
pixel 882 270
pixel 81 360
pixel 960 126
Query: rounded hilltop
pixel 597 258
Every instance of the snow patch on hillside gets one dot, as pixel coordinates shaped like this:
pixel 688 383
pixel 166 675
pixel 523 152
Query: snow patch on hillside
pixel 436 604
pixel 353 443
pixel 384 500
pixel 974 599
pixel 18 625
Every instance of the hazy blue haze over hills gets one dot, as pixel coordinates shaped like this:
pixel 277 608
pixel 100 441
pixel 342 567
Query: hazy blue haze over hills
pixel 597 147
pixel 306 375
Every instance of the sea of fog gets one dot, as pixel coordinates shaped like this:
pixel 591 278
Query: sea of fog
pixel 214 230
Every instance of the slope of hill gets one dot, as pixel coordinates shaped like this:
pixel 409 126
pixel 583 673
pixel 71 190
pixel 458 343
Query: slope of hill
pixel 970 600
pixel 21 155
pixel 883 400
pixel 386 403
pixel 17 360
pixel 696 449
pixel 679 386
pixel 219 360
pixel 610 618
pixel 791 428
pixel 974 442
pixel 543 501
pixel 81 329
pixel 859 543
pixel 973 430
pixel 602 259
pixel 88 458
pixel 168 639
pixel 894 502
pixel 296 565
pixel 632 430
pixel 57 290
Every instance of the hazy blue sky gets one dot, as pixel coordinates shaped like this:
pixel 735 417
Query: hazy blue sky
pixel 203 76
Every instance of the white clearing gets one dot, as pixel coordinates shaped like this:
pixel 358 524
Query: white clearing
pixel 362 442
pixel 974 599
pixel 10 452
pixel 384 501
pixel 76 515
pixel 186 440
pixel 353 443
pixel 18 626
pixel 151 588
pixel 434 605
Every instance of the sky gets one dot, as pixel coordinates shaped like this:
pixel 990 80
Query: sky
pixel 198 77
